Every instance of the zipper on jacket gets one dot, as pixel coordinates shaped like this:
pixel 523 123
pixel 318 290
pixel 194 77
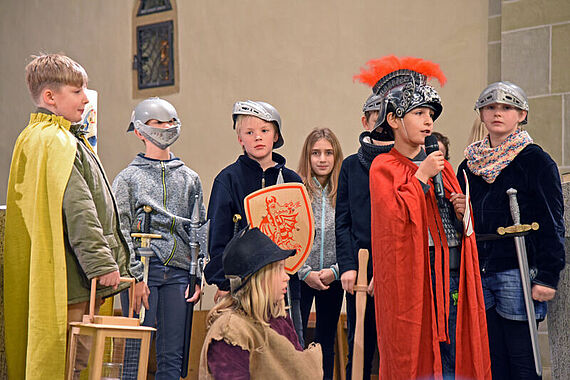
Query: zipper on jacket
pixel 263 179
pixel 323 205
pixel 164 198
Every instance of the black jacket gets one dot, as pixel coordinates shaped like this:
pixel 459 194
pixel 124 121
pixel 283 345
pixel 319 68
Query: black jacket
pixel 352 220
pixel 535 177
pixel 230 187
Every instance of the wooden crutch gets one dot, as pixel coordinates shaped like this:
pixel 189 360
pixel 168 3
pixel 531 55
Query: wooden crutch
pixel 360 288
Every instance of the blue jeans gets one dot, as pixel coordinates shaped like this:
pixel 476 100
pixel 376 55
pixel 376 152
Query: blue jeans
pixel 504 291
pixel 167 313
pixel 448 350
pixel 509 336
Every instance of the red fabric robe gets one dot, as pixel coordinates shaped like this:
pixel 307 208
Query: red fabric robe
pixel 409 328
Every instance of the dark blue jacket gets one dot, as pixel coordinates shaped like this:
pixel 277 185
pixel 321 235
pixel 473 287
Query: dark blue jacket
pixel 230 187
pixel 352 219
pixel 535 177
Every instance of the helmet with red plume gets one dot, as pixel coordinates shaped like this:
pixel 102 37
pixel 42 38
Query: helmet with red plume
pixel 401 84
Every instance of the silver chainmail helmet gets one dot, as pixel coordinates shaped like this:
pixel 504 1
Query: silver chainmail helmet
pixel 503 93
pixel 372 103
pixel 157 109
pixel 262 110
pixel 401 91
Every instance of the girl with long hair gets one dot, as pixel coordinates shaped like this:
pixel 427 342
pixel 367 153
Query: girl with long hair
pixel 319 167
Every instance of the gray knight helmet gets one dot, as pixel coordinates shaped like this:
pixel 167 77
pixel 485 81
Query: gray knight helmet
pixel 372 103
pixel 153 108
pixel 262 110
pixel 401 85
pixel 504 93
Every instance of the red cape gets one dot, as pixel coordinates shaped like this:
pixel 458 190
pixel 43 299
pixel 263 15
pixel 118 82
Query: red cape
pixel 409 328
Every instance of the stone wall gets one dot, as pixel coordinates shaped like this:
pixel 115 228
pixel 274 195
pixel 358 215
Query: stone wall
pixel 534 54
pixel 559 308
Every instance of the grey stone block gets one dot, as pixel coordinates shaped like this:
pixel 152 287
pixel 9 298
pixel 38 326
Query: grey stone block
pixel 494 7
pixel 559 308
pixel 525 59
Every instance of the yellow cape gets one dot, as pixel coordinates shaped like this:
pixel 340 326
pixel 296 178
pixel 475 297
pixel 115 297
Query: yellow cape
pixel 35 284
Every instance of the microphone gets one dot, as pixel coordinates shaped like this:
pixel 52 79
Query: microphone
pixel 431 146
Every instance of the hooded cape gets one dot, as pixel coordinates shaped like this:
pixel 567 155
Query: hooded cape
pixel 35 292
pixel 410 321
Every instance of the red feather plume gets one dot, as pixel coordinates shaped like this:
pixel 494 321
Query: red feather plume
pixel 380 67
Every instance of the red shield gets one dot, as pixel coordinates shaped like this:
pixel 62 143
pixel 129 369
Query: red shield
pixel 283 212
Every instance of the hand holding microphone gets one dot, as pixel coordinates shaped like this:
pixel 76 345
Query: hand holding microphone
pixel 432 166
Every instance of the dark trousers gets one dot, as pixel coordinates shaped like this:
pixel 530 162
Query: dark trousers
pixel 168 314
pixel 328 304
pixel 370 338
pixel 510 348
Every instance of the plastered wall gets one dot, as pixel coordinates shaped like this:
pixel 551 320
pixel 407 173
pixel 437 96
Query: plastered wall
pixel 298 55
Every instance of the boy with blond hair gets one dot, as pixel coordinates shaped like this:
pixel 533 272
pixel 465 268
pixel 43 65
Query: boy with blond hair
pixel 258 127
pixel 62 228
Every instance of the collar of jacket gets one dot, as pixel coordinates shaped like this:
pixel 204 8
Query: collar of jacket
pixel 250 162
pixel 172 158
pixel 368 151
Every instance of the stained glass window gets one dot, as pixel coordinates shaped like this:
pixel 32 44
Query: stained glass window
pixel 147 7
pixel 155 59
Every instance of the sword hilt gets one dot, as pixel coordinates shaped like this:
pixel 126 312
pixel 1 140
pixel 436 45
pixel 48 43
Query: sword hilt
pixel 515 212
pixel 236 219
pixel 145 238
pixel 517 228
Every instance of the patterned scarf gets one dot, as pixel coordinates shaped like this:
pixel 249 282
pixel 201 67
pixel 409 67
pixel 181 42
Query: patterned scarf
pixel 487 162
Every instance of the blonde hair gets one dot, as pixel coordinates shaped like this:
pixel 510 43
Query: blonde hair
pixel 305 170
pixel 241 118
pixel 53 71
pixel 255 299
pixel 478 130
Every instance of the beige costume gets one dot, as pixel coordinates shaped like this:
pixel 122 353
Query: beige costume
pixel 271 355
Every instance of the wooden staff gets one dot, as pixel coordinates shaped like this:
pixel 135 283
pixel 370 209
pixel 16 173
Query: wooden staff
pixel 360 288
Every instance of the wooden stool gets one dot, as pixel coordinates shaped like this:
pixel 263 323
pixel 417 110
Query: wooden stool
pixel 99 328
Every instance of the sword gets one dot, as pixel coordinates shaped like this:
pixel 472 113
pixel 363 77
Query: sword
pixel 360 288
pixel 525 276
pixel 197 246
pixel 145 252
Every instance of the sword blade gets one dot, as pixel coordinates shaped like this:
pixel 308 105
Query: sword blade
pixel 528 302
pixel 525 279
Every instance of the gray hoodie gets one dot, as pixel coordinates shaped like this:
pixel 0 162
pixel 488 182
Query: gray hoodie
pixel 169 187
pixel 323 253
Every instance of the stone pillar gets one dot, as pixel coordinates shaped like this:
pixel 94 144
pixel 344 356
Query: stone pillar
pixel 3 373
pixel 559 307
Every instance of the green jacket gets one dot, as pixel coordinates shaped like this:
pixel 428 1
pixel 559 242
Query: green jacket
pixel 94 245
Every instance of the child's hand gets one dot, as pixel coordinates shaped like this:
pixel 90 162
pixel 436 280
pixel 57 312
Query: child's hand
pixel 315 282
pixel 327 276
pixel 429 167
pixel 141 296
pixel 196 296
pixel 370 289
pixel 542 293
pixel 111 279
pixel 219 295
pixel 348 279
pixel 458 201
